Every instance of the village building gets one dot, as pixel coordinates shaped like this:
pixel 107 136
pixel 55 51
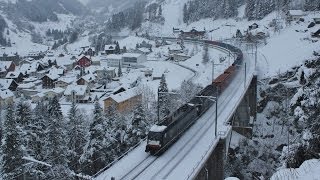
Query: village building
pixel 133 59
pixel 8 84
pixel 10 57
pixel 84 61
pixel 122 102
pixel 64 82
pixel 48 81
pixel 36 55
pixel 15 75
pixel 113 60
pixel 88 80
pixel 179 57
pixel 294 15
pixel 316 20
pixel 5 67
pixel 31 69
pixel 6 96
pixel 110 49
pixel 316 34
pixel 143 50
pixel 253 26
pixel 77 93
pixel 103 72
pixel 194 34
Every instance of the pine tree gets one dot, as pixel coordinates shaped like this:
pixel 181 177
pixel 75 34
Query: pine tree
pixel 11 147
pixel 96 152
pixel 139 124
pixel 160 11
pixel 117 49
pixel 76 134
pixel 163 98
pixel 119 70
pixel 56 146
pixel 250 8
pixel 38 138
pixel 185 14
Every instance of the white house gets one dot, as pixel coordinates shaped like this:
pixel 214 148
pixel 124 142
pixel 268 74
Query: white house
pixel 113 60
pixel 77 93
pixel 133 59
pixel 294 15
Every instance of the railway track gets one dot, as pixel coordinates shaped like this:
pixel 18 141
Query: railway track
pixel 167 168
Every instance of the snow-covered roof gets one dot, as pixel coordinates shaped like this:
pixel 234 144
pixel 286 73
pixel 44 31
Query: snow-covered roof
pixel 29 68
pixel 26 85
pixel 4 94
pixel 128 94
pixel 114 56
pixel 135 55
pixel 4 65
pixel 66 80
pixel 57 90
pixel 89 77
pixel 5 83
pixel 110 47
pixel 30 79
pixel 156 128
pixel 14 74
pixel 145 50
pixel 296 12
pixel 55 70
pixel 52 76
pixel 79 90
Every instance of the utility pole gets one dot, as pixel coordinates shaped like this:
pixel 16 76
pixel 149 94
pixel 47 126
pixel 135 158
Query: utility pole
pixel 158 107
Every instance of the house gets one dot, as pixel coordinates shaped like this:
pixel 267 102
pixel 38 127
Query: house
pixel 88 51
pixel 110 49
pixel 144 50
pixel 316 20
pixel 133 59
pixel 316 34
pixel 47 94
pixel 10 57
pixel 179 57
pixel 5 67
pixel 122 102
pixel 175 30
pixel 6 96
pixel 95 61
pixel 175 49
pixel 88 80
pixel 48 81
pixel 31 69
pixel 36 55
pixel 84 61
pixel 253 26
pixel 106 72
pixel 15 75
pixel 64 82
pixel 77 93
pixel 8 84
pixel 113 60
pixel 294 15
pixel 194 34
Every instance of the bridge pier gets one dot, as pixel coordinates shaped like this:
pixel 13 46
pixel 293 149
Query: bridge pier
pixel 214 167
pixel 246 113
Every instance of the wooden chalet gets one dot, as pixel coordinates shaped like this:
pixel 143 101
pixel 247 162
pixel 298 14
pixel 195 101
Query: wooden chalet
pixel 8 84
pixel 84 61
pixel 48 81
pixel 5 67
pixel 16 75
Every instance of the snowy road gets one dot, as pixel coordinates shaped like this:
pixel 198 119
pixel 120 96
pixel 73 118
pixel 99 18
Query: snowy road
pixel 182 159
